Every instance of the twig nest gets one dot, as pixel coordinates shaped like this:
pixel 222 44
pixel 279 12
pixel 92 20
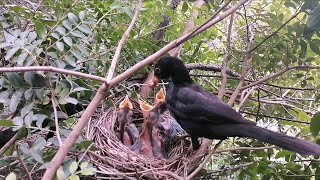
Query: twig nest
pixel 114 159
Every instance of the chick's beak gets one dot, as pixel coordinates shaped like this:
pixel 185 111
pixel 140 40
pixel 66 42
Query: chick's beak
pixel 126 103
pixel 153 82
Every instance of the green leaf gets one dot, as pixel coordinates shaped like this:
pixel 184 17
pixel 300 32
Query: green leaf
pixel 68 41
pixel 36 155
pixel 15 79
pixel 60 174
pixel 314 47
pixel 89 171
pixel 283 153
pixel 40 118
pixel 84 165
pixel 29 118
pixel 67 24
pixel 303 116
pixel 15 100
pixel 39 144
pixel 73 18
pixel 21 58
pixel 6 123
pixel 128 11
pixel 317 98
pixel 28 94
pixel 18 121
pixel 85 29
pixel 81 15
pixel 115 5
pixel 304 47
pixel 26 109
pixel 73 167
pixel 77 54
pixel 11 176
pixel 11 52
pixel 74 177
pixel 315 124
pixel 61 30
pixel 72 100
pixel 60 46
pixel 70 60
pixel 40 29
pixel 313 21
pixel 4 45
pixel 184 7
pixel 28 77
pixel 55 35
pixel 58 11
pixel 77 33
pixel 32 36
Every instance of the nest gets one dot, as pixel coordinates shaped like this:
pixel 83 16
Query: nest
pixel 117 161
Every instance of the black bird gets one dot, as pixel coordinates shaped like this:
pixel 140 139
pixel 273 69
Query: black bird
pixel 202 114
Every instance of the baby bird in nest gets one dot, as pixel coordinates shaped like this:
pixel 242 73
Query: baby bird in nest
pixel 125 118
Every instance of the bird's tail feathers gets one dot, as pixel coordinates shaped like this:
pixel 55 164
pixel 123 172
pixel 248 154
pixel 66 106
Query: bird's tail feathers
pixel 284 141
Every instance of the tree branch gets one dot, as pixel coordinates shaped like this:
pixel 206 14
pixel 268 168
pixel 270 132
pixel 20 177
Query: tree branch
pixel 277 74
pixel 123 40
pixel 52 69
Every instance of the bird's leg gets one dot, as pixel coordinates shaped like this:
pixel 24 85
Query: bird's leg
pixel 195 143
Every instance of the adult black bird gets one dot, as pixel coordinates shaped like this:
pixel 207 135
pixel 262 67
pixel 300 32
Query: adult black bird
pixel 202 114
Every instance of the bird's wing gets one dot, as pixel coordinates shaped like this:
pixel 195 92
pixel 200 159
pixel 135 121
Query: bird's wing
pixel 193 103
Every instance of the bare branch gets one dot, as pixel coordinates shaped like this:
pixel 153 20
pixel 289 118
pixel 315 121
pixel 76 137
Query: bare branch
pixel 23 164
pixel 123 40
pixel 277 74
pixel 52 69
pixel 275 32
pixel 56 121
pixel 204 162
pixel 8 144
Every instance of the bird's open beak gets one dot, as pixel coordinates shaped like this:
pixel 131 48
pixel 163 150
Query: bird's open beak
pixel 153 82
pixel 126 103
pixel 146 108
pixel 160 97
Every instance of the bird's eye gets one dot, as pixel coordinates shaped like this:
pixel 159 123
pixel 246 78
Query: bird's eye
pixel 157 70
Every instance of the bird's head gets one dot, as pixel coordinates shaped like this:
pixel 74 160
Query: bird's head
pixel 170 68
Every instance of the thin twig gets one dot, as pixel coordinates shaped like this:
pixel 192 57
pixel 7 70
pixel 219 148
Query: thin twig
pixel 116 57
pixel 56 121
pixel 275 32
pixel 52 69
pixel 277 74
pixel 23 164
pixel 204 162
pixel 8 144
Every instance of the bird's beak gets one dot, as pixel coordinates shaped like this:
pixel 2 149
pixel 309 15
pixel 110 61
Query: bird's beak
pixel 153 82
pixel 146 108
pixel 160 97
pixel 126 103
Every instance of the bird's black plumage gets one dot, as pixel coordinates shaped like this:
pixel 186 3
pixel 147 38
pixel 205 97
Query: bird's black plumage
pixel 202 114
